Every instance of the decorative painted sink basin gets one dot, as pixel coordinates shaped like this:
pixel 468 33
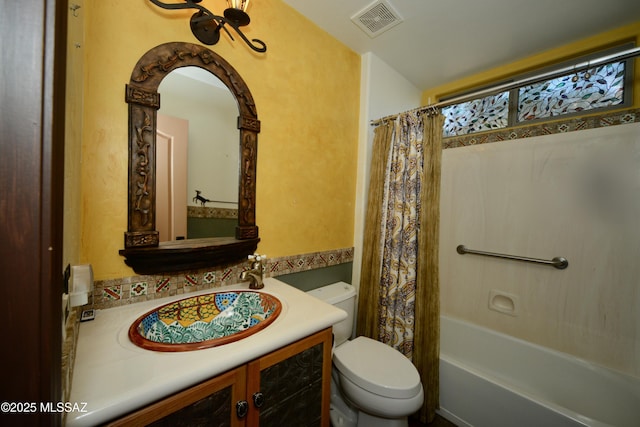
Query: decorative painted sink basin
pixel 204 321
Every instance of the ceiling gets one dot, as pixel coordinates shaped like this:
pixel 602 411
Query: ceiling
pixel 440 41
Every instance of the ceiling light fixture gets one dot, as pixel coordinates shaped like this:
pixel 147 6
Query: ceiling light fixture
pixel 206 26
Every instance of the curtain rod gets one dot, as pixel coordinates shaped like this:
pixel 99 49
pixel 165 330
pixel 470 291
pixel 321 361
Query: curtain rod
pixel 620 56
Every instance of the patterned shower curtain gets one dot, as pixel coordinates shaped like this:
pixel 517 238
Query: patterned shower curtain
pixel 399 290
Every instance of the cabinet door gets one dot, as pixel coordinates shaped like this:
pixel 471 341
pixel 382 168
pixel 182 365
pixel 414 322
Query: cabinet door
pixel 291 386
pixel 211 403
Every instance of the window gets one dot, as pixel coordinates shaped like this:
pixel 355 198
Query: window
pixel 604 86
pixel 489 113
pixel 596 88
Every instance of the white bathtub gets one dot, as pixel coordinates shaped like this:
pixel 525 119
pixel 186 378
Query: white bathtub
pixel 488 379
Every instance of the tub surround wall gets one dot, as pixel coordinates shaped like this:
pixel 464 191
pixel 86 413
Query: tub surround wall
pixel 545 128
pixel 532 192
pixel 571 324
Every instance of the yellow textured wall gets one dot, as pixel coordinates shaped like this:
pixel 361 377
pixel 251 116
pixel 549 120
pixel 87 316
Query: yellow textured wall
pixel 73 138
pixel 306 89
pixel 582 47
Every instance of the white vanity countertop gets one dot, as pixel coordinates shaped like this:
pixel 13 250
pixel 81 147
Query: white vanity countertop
pixel 114 377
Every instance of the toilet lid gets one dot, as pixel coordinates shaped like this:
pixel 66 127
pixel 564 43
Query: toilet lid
pixel 377 368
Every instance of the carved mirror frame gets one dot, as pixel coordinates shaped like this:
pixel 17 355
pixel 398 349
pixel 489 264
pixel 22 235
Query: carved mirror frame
pixel 143 251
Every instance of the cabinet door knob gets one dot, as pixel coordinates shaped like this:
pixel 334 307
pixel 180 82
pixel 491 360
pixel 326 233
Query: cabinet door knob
pixel 258 399
pixel 242 407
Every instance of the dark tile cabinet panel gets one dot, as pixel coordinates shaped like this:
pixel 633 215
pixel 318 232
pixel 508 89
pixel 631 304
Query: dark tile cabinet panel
pixel 293 390
pixel 294 383
pixel 288 387
pixel 211 411
pixel 211 403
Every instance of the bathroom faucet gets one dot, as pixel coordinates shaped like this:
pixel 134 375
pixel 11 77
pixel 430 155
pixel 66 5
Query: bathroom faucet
pixel 255 274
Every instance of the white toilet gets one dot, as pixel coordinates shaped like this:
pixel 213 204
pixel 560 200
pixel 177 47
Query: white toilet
pixel 372 384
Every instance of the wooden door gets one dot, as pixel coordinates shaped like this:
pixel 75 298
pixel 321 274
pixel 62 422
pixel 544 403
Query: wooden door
pixel 32 105
pixel 172 136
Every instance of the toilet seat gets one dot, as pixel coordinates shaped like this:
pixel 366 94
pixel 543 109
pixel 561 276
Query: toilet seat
pixel 377 368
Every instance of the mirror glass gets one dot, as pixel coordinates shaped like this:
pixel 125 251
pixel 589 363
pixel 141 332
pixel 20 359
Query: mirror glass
pixel 197 157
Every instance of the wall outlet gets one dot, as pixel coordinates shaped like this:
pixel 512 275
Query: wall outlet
pixel 87 315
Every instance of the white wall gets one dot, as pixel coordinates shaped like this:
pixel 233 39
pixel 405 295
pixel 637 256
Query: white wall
pixel 212 112
pixel 383 92
pixel 575 195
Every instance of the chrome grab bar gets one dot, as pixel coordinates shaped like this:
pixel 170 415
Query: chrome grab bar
pixel 557 262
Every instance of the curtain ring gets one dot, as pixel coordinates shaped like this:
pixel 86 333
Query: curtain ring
pixel 587 74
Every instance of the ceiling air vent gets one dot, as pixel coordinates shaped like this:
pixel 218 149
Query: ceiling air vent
pixel 377 18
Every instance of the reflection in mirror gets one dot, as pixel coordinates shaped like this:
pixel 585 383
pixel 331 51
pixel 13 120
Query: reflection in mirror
pixel 197 121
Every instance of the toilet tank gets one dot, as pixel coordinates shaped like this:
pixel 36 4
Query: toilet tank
pixel 343 296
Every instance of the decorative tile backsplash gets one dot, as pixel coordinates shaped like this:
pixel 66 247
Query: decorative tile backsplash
pixel 207 212
pixel 72 325
pixel 129 290
pixel 545 128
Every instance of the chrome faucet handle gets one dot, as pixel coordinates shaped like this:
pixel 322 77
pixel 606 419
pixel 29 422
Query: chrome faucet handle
pixel 257 261
pixel 256 272
pixel 257 257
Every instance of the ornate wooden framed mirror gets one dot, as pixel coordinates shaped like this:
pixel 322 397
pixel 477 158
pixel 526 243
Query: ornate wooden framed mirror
pixel 143 250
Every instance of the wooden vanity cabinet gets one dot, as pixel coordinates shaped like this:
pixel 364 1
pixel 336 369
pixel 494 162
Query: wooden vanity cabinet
pixel 288 387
